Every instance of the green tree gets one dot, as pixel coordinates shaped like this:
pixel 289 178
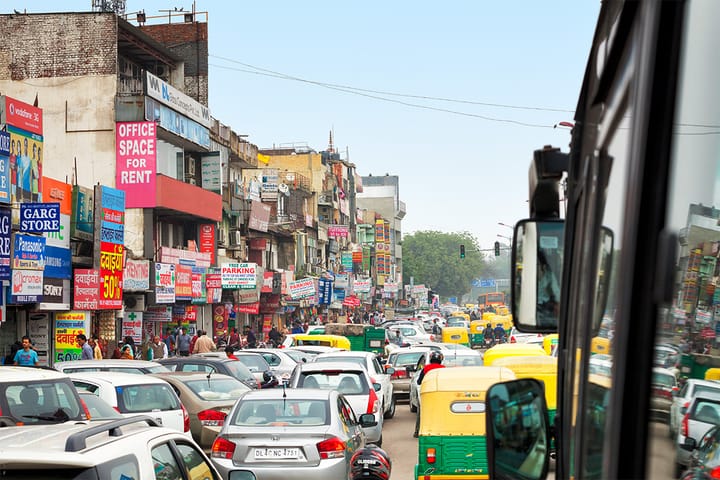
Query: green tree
pixel 433 258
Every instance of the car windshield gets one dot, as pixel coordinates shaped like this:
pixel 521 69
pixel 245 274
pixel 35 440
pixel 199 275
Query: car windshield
pixel 405 331
pixel 146 398
pixel 345 382
pixel 98 408
pixel 405 359
pixel 663 379
pixel 297 355
pixel 463 361
pixel 43 402
pixel 217 388
pixel 288 413
pixel 238 370
pixel 254 363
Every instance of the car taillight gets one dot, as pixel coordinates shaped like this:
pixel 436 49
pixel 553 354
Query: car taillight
pixel 684 408
pixel 372 401
pixel 222 448
pixel 432 338
pixel 512 339
pixel 684 428
pixel 715 472
pixel 430 455
pixel 399 374
pixel 331 448
pixel 186 419
pixel 212 418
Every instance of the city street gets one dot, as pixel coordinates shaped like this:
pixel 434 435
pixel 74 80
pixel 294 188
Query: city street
pixel 399 443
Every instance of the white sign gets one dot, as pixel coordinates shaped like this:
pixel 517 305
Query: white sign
pixel 165 93
pixel 362 286
pixel 27 282
pixel 132 326
pixel 238 275
pixel 164 283
pixel 211 173
pixel 302 288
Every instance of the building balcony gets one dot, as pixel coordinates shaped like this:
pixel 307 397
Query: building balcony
pixel 296 181
pixel 187 199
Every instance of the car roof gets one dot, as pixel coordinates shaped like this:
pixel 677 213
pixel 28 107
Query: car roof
pixel 189 376
pixel 289 393
pixel 319 367
pixel 196 358
pixel 107 362
pixel 346 353
pixel 116 378
pixel 19 374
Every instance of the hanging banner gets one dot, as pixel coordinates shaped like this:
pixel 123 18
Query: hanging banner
pixel 239 275
pixel 28 252
pixel 68 325
pixel 136 162
pixel 207 240
pixel 325 287
pixel 164 283
pixel 132 324
pixel 136 275
pixel 183 282
pixel 111 276
pixel 301 288
pixel 86 290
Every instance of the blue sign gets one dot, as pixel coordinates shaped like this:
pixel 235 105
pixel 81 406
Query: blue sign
pixel 475 282
pixel 58 262
pixel 39 217
pixel 5 230
pixel 324 291
pixel 176 123
pixel 112 215
pixel 487 282
pixel 5 168
pixel 452 300
pixel 28 252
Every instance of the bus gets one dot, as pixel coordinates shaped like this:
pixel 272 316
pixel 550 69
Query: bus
pixel 622 217
pixel 493 299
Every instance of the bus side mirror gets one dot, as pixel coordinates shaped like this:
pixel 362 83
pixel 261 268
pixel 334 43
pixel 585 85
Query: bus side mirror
pixel 518 430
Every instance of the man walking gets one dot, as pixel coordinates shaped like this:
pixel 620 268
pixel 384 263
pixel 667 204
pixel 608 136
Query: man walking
pixel 182 343
pixel 203 344
pixel 158 348
pixel 87 351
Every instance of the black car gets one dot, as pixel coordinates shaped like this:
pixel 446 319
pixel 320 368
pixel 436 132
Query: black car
pixel 705 460
pixel 199 363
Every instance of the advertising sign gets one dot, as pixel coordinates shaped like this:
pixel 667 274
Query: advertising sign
pixel 86 289
pixel 68 325
pixel 362 286
pixel 346 261
pixel 5 231
pixel 213 285
pixel 338 231
pixel 61 238
pixel 207 240
pixel 211 171
pixel 165 93
pixel 259 216
pixel 132 326
pixel 177 123
pixel 39 217
pixel 164 283
pixel 82 220
pixel 111 276
pixel 136 162
pixel 177 256
pixel 325 287
pixel 58 262
pixel 25 165
pixel 55 191
pixel 341 280
pixel 199 292
pixel 56 294
pixel 302 288
pixel 136 276
pixel 38 327
pixel 251 308
pixel 379 231
pixel 21 115
pixel 28 252
pixel 110 218
pixel 239 275
pixel 183 282
pixel 5 167
pixel 269 186
pixel 26 286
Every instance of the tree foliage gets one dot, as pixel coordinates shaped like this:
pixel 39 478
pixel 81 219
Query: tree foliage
pixel 433 258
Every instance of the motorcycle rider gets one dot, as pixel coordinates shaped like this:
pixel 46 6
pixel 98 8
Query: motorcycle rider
pixel 488 334
pixel 499 333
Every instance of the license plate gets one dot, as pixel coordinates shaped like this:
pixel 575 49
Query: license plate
pixel 271 453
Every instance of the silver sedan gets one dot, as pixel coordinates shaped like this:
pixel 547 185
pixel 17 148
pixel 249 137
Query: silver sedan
pixel 290 434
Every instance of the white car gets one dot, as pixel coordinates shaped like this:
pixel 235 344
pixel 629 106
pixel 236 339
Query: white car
pixel 281 363
pixel 517 336
pixel 111 365
pixel 370 363
pixel 124 448
pixel 411 333
pixel 681 400
pixel 133 394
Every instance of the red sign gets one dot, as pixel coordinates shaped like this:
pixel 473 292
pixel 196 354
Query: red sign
pixel 207 240
pixel 258 243
pixel 357 257
pixel 191 314
pixel 252 308
pixel 23 116
pixel 183 282
pixel 111 276
pixel 87 289
pixel 198 289
pixel 269 303
pixel 267 286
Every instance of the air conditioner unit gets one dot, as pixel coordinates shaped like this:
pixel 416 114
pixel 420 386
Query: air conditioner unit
pixel 236 221
pixel 190 166
pixel 236 238
pixel 134 302
pixel 222 236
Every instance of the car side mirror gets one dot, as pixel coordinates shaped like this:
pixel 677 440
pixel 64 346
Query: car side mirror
pixel 689 444
pixel 389 370
pixel 367 420
pixel 242 475
pixel 518 430
pixel 377 387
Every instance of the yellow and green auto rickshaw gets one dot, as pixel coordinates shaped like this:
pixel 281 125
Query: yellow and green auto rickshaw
pixel 336 341
pixel 539 367
pixel 512 350
pixel 476 332
pixel 599 345
pixel 457 335
pixel 451 438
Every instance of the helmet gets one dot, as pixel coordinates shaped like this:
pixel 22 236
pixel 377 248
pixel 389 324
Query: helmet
pixel 489 325
pixel 370 463
pixel 436 357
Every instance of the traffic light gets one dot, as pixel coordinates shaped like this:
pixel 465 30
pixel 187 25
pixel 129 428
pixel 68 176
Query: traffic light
pixel 462 251
pixel 497 249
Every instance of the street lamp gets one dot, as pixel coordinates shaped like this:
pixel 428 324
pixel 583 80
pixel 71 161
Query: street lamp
pixel 509 239
pixel 506 225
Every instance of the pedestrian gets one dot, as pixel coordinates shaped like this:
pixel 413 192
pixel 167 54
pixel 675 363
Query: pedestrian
pixel 230 352
pixel 274 336
pixel 127 351
pixel 297 328
pixel 182 343
pixel 203 344
pixel 157 349
pixel 250 335
pixel 169 340
pixel 234 340
pixel 86 349
pixel 193 340
pixel 26 357
pixel 436 330
pixel 95 344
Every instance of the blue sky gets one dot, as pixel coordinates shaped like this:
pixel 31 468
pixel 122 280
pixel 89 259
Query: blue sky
pixel 507 64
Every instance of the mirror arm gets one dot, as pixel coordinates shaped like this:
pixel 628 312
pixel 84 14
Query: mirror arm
pixel 546 171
